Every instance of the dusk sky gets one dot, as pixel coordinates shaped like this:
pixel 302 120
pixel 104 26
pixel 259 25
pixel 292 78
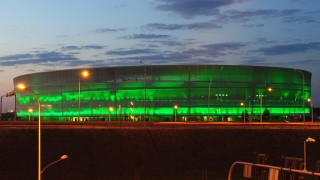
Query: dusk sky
pixel 38 35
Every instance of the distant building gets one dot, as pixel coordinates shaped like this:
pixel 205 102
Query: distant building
pixel 199 92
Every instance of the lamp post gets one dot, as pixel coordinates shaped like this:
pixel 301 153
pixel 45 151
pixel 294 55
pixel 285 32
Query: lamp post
pixel 24 87
pixel 305 152
pixel 30 111
pixel 1 108
pixel 269 90
pixel 54 162
pixel 311 107
pixel 145 92
pixel 175 112
pixel 244 111
pixel 110 110
pixel 84 74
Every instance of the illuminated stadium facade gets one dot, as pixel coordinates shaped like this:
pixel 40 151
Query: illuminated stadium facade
pixel 165 93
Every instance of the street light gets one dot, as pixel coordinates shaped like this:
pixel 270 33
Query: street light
pixel 84 74
pixel 311 107
pixel 110 110
pixel 305 152
pixel 244 111
pixel 24 87
pixel 131 115
pixel 269 89
pixel 30 111
pixel 54 162
pixel 175 112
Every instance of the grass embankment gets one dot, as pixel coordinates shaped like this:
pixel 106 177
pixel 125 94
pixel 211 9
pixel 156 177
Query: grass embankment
pixel 146 154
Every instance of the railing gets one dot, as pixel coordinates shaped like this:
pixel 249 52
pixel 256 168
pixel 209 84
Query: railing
pixel 273 170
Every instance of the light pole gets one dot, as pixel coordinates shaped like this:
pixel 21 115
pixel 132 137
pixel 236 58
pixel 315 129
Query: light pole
pixel 145 92
pixel 30 111
pixel 175 112
pixel 131 115
pixel 244 111
pixel 1 108
pixel 269 90
pixel 305 152
pixel 24 87
pixel 311 107
pixel 110 110
pixel 54 162
pixel 84 74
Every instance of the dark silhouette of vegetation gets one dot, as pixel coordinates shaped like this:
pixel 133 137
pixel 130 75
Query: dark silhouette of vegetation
pixel 266 115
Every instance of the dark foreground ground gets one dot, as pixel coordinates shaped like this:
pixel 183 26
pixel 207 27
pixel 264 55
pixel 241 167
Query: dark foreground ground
pixel 155 154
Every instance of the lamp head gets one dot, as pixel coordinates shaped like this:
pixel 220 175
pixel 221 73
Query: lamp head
pixel 21 86
pixel 64 157
pixel 309 139
pixel 269 89
pixel 175 106
pixel 85 73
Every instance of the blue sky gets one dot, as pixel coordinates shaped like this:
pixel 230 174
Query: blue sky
pixel 39 35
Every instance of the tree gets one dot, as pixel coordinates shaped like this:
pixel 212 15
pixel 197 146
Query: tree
pixel 266 115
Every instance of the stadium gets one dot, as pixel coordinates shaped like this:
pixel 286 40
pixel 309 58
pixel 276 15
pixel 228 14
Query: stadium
pixel 165 93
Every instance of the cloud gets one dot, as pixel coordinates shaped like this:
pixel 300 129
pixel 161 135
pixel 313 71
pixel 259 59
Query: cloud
pixel 89 63
pixel 147 36
pixel 191 8
pixel 16 57
pixel 244 16
pixel 62 36
pixel 253 25
pixel 263 41
pixel 35 58
pixel 299 19
pixel 169 42
pixel 109 30
pixel 159 58
pixel 301 62
pixel 168 57
pixel 171 27
pixel 97 47
pixel 124 52
pixel 165 58
pixel 254 61
pixel 216 50
pixel 49 59
pixel 204 52
pixel 70 48
pixel 87 47
pixel 260 61
pixel 289 48
pixel 303 1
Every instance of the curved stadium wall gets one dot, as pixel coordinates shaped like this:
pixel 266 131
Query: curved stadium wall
pixel 199 92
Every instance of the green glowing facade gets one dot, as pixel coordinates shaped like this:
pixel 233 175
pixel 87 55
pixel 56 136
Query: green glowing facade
pixel 200 92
